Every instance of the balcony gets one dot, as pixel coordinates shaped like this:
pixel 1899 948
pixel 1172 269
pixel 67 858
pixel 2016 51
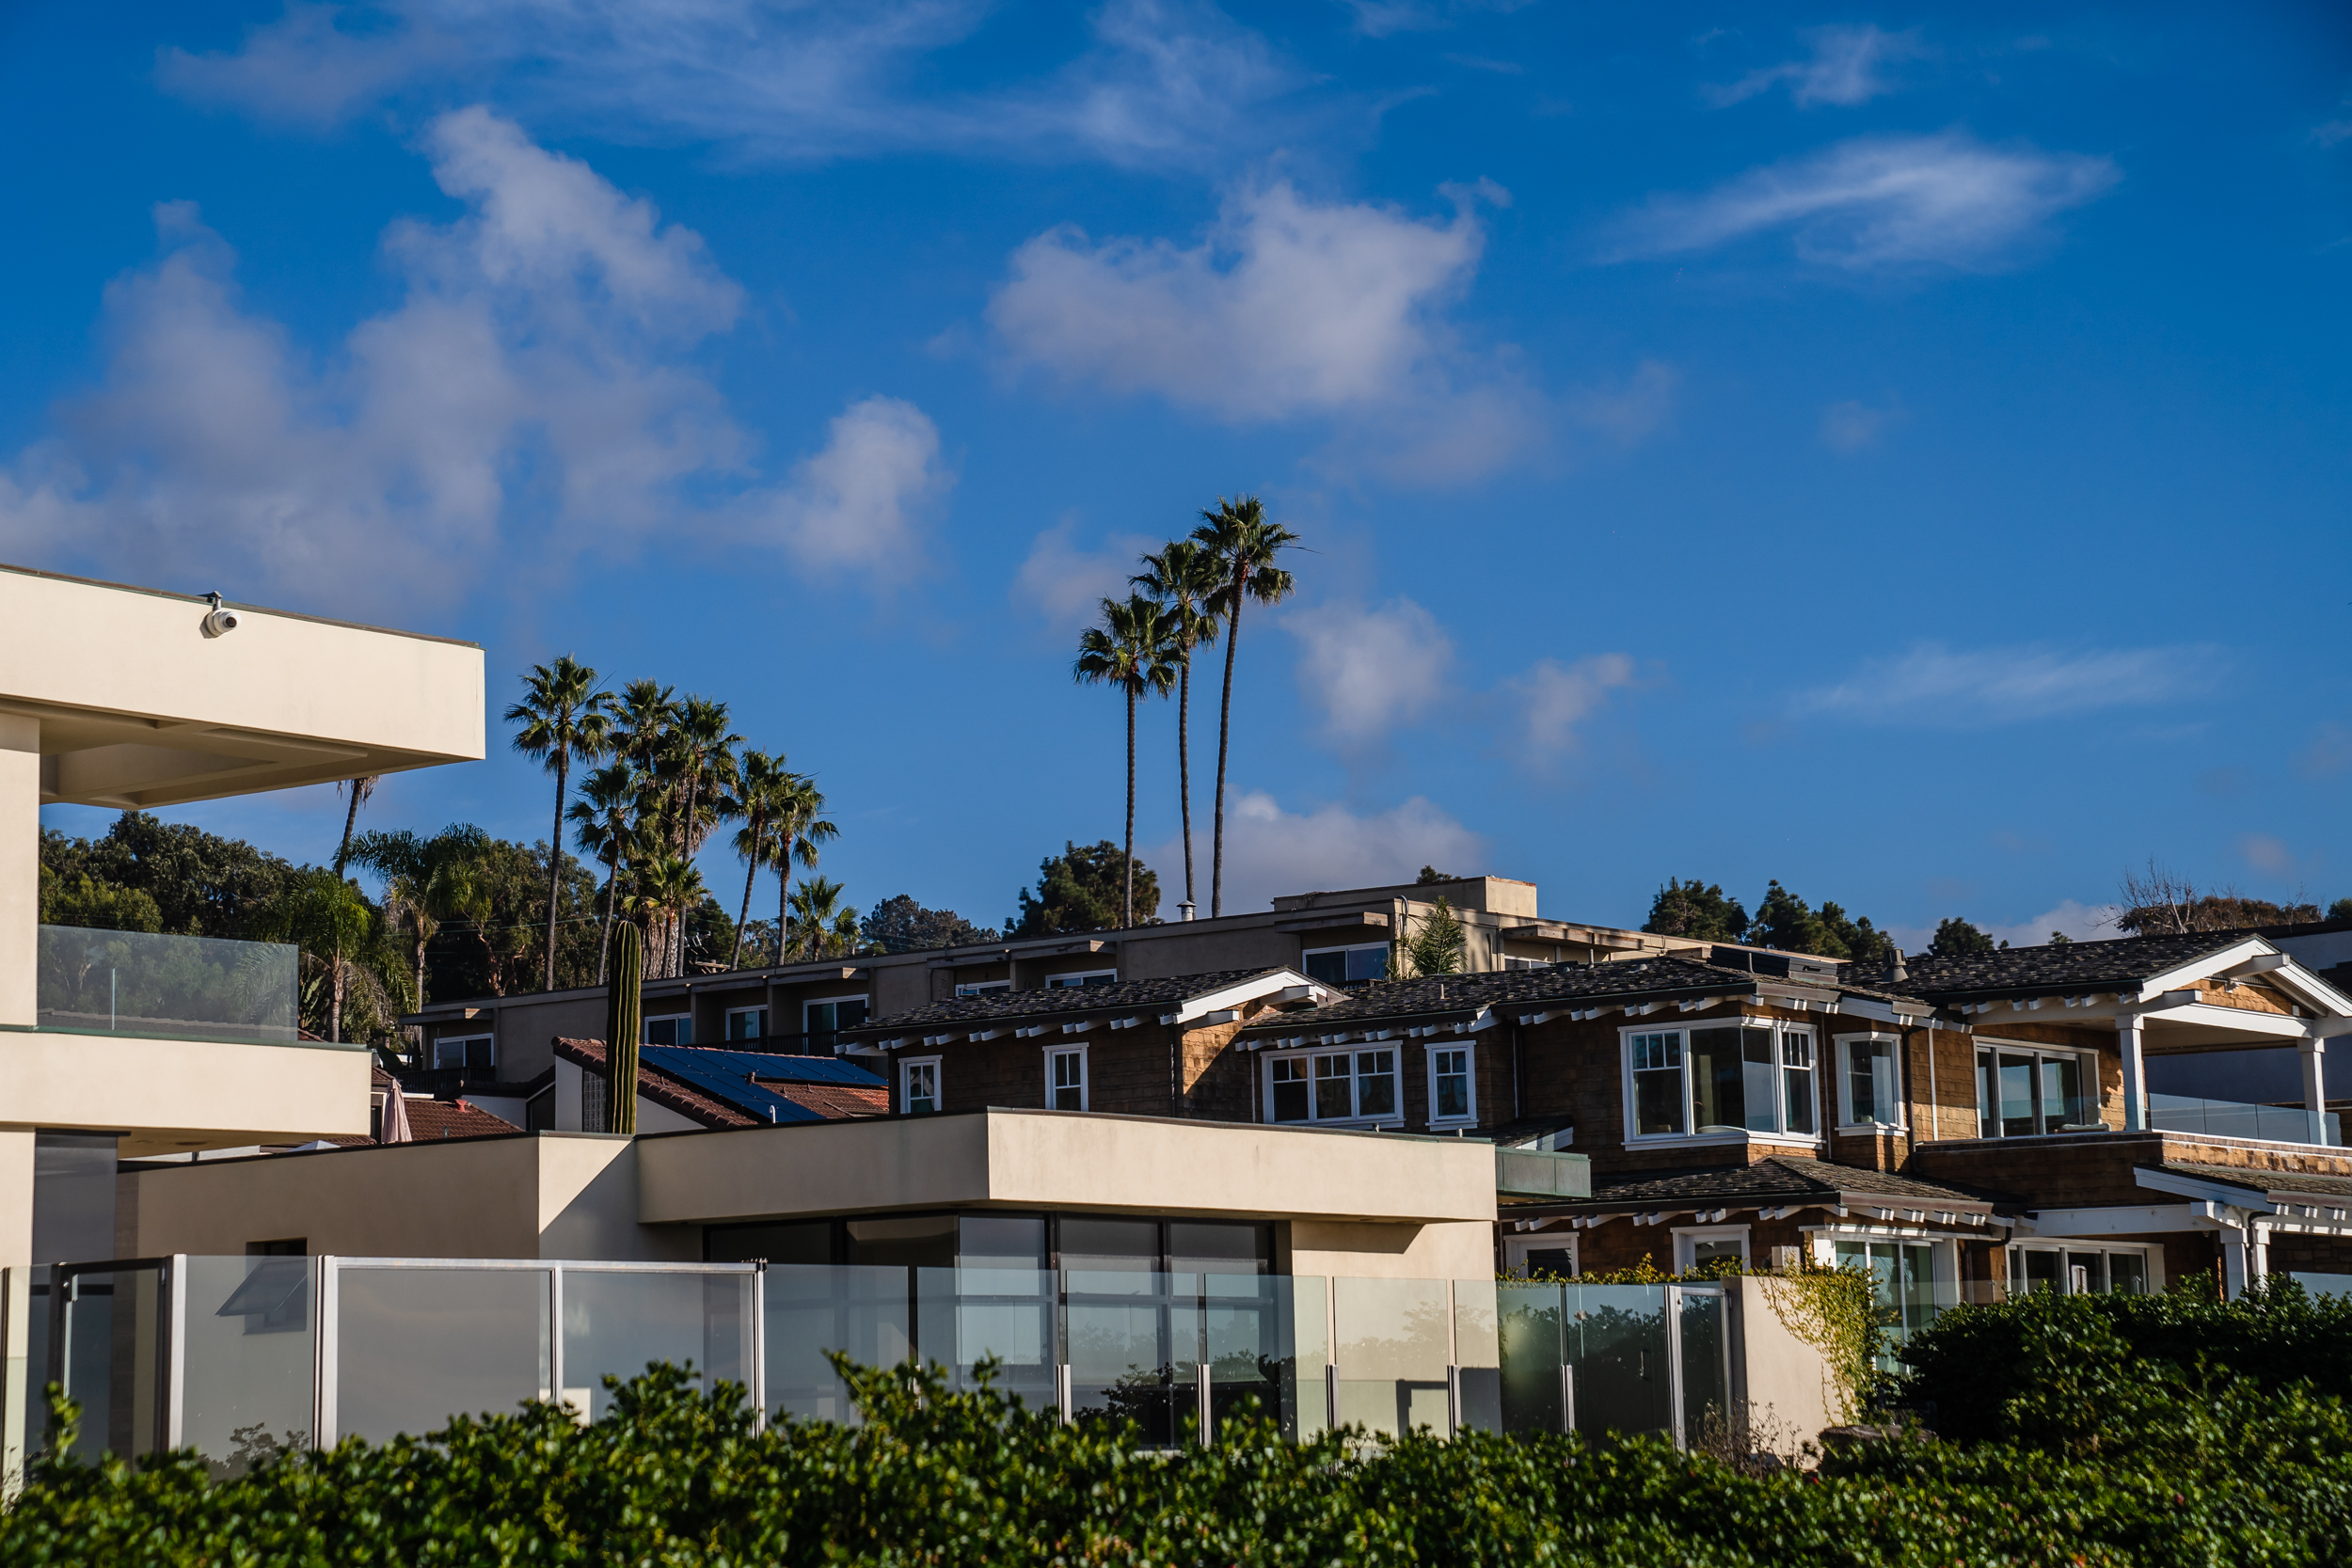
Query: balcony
pixel 2229 1118
pixel 137 984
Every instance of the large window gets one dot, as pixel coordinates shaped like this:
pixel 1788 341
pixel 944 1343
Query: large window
pixel 1346 966
pixel 1453 1088
pixel 1066 1078
pixel 1085 977
pixel 822 1018
pixel 1870 1091
pixel 1906 1276
pixel 1340 1086
pixel 670 1029
pixel 2071 1268
pixel 1751 1077
pixel 918 1085
pixel 2022 1090
pixel 465 1051
pixel 747 1023
pixel 1697 1247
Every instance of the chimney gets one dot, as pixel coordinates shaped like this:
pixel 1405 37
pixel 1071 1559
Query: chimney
pixel 1899 974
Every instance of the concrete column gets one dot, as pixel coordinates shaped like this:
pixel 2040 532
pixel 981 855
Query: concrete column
pixel 2128 1028
pixel 2235 1261
pixel 20 867
pixel 2316 1088
pixel 17 1373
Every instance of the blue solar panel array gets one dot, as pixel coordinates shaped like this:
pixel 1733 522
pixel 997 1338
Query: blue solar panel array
pixel 727 1075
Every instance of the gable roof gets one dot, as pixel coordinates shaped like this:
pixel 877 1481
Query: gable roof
pixel 2085 965
pixel 743 1088
pixel 1169 993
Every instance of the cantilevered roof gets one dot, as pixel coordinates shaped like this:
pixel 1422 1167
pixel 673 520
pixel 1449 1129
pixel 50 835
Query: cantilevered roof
pixel 137 705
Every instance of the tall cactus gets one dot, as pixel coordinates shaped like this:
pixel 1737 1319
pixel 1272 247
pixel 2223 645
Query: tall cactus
pixel 624 1010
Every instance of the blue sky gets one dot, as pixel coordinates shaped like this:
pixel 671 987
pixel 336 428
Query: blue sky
pixel 1899 452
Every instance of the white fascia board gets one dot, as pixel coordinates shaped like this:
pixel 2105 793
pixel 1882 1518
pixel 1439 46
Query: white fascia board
pixel 2225 1193
pixel 2311 989
pixel 2182 976
pixel 1249 990
pixel 2245 1019
pixel 2127 1220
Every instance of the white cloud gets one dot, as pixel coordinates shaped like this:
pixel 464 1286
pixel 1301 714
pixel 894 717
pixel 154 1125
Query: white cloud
pixel 1269 850
pixel 1370 669
pixel 1842 70
pixel 1380 19
pixel 1851 425
pixel 1062 583
pixel 1551 699
pixel 1632 411
pixel 1939 685
pixel 1881 202
pixel 532 389
pixel 858 504
pixel 2266 853
pixel 1158 81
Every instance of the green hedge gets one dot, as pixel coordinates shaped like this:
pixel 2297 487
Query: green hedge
pixel 2191 1464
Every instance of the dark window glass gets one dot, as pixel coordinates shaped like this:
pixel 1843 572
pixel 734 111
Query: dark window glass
pixel 1333 1101
pixel 1221 1246
pixel 1290 1090
pixel 1718 1081
pixel 1094 1242
pixel 921 1241
pixel 1375 1082
pixel 1001 1241
pixel 2015 1076
pixel 1329 967
pixel 1367 963
pixel 1657 1082
pixel 670 1031
pixel 781 1242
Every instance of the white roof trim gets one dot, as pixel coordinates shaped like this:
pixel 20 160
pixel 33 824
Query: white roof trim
pixel 1258 985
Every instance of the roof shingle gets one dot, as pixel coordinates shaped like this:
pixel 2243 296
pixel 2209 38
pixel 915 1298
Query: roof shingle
pixel 991 1006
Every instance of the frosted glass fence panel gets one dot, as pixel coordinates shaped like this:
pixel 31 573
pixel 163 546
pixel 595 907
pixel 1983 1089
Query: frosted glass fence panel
pixel 618 1321
pixel 866 1314
pixel 965 1316
pixel 1393 1353
pixel 1477 1356
pixel 251 1335
pixel 110 1346
pixel 1612 1360
pixel 178 988
pixel 414 1346
pixel 2229 1119
pixel 1702 1361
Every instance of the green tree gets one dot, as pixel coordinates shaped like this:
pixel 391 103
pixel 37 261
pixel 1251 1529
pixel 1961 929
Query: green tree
pixel 349 955
pixel 1957 939
pixel 762 789
pixel 2340 910
pixel 561 716
pixel 426 880
pixel 85 902
pixel 1244 546
pixel 202 884
pixel 1434 946
pixel 1430 874
pixel 819 925
pixel 1858 939
pixel 802 831
pixel 900 925
pixel 1135 650
pixel 1081 890
pixel 1699 910
pixel 1184 576
pixel 1786 922
pixel 605 826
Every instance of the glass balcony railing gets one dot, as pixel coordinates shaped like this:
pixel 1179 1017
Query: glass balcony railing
pixel 170 988
pixel 2228 1118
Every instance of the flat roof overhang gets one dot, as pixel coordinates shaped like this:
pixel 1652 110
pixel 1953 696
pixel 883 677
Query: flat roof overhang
pixel 1030 1159
pixel 138 708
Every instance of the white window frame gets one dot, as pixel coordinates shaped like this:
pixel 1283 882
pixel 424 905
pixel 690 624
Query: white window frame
pixel 1780 1028
pixel 1307 953
pixel 1516 1248
pixel 1354 1119
pixel 908 1066
pixel 981 988
pixel 441 1040
pixel 1840 1104
pixel 834 1001
pixel 734 1013
pixel 2150 1262
pixel 1687 1237
pixel 644 1028
pixel 1085 1085
pixel 1469 1074
pixel 2086 1063
pixel 1076 979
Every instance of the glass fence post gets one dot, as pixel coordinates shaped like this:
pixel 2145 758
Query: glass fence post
pixel 175 1352
pixel 1674 1366
pixel 758 1380
pixel 326 1375
pixel 555 1345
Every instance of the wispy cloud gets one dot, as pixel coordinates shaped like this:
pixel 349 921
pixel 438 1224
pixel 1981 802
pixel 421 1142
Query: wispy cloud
pixel 1550 700
pixel 1370 669
pixel 1880 203
pixel 1844 68
pixel 1287 308
pixel 534 391
pixel 1270 850
pixel 1156 82
pixel 1063 581
pixel 1936 686
pixel 2265 852
pixel 1634 409
pixel 2329 752
pixel 1851 425
pixel 1380 19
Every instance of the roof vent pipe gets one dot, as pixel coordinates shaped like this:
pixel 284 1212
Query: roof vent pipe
pixel 1186 906
pixel 1898 972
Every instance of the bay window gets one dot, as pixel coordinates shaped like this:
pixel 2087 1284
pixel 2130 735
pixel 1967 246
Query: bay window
pixel 1754 1076
pixel 1338 1085
pixel 2022 1090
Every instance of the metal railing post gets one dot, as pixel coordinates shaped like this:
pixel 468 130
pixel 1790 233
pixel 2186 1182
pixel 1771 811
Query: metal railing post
pixel 322 1412
pixel 175 1350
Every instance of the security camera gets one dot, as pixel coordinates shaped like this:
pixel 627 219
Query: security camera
pixel 219 622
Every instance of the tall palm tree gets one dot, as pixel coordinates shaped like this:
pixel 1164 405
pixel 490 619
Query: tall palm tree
pixel 762 784
pixel 1134 649
pixel 701 760
pixel 1182 574
pixel 801 828
pixel 1244 544
pixel 358 789
pixel 662 888
pixel 820 925
pixel 561 716
pixel 604 822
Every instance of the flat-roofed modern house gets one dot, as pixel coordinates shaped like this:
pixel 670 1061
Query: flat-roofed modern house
pixel 500 1051
pixel 117 1044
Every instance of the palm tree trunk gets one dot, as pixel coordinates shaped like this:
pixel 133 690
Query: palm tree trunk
pixel 1127 916
pixel 555 857
pixel 335 1018
pixel 1224 737
pixel 351 816
pixel 1183 760
pixel 750 875
pixel 783 893
pixel 611 892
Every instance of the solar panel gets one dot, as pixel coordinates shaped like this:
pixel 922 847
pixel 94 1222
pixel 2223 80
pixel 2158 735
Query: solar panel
pixel 727 1075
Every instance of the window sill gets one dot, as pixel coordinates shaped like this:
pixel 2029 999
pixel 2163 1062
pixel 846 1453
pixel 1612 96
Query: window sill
pixel 1790 1140
pixel 1871 1128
